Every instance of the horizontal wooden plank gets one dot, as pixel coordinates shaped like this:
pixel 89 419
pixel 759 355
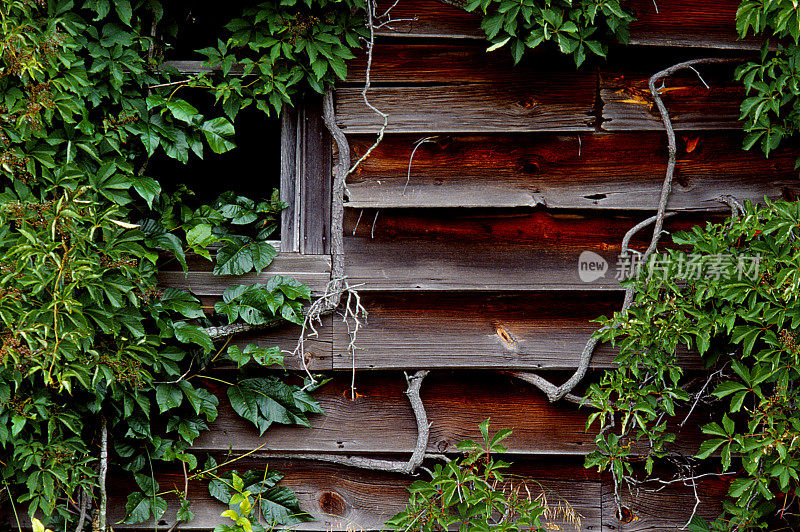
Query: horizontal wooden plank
pixel 666 510
pixel 394 249
pixel 449 330
pixel 628 104
pixel 553 101
pixel 579 171
pixel 341 498
pixel 380 419
pixel 663 23
pixel 313 270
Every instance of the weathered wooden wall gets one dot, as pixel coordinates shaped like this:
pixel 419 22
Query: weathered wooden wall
pixel 468 262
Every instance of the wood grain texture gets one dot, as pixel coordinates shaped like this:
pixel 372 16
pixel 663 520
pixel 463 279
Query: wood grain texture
pixel 628 104
pixel 316 179
pixel 343 499
pixel 669 509
pixel 290 182
pixel 313 270
pixel 498 331
pixel 380 420
pixel 475 250
pixel 677 22
pixel 579 171
pixel 550 102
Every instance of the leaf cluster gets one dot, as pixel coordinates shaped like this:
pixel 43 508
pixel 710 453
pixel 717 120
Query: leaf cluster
pixel 470 493
pixel 743 323
pixel 579 28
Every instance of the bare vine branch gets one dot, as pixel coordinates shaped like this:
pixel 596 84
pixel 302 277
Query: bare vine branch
pixel 409 467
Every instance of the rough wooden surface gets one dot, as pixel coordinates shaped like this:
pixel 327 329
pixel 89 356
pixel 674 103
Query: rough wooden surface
pixel 344 499
pixel 472 250
pixel 456 330
pixel 677 22
pixel 290 184
pixel 628 104
pixel 578 171
pixel 550 102
pixel 456 402
pixel 669 509
pixel 315 186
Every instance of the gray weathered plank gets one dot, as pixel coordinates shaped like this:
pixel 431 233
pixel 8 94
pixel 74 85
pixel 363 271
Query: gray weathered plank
pixel 315 173
pixel 550 102
pixel 580 171
pixel 313 270
pixel 290 182
pixel 476 330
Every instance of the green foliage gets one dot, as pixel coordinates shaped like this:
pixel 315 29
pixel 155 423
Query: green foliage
pixel 468 493
pixel 771 111
pixel 743 323
pixel 285 48
pixel 255 502
pixel 85 333
pixel 579 28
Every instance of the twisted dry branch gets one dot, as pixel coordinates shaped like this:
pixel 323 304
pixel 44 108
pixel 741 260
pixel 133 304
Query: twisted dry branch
pixel 553 392
pixel 409 467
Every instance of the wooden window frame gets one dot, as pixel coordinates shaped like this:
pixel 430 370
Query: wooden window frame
pixel 306 178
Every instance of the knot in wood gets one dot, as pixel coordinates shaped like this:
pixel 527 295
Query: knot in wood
pixel 331 503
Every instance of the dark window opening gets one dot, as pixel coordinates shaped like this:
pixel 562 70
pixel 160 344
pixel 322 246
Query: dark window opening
pixel 251 169
pixel 190 25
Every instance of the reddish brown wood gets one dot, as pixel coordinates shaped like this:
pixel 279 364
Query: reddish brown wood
pixel 380 419
pixel 677 23
pixel 342 498
pixel 473 250
pixel 586 171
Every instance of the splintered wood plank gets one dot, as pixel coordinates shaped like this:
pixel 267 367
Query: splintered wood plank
pixel 677 22
pixel 341 498
pixel 475 330
pixel 553 101
pixel 669 509
pixel 485 250
pixel 380 419
pixel 313 270
pixel 580 171
pixel 628 104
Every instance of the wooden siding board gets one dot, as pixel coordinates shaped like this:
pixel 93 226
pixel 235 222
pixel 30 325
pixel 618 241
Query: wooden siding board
pixel 380 419
pixel 550 102
pixel 432 250
pixel 580 171
pixel 497 331
pixel 340 497
pixel 666 510
pixel 675 23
